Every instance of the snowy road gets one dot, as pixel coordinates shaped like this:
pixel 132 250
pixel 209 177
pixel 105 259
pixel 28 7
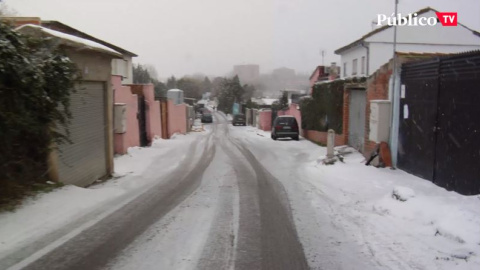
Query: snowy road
pixel 221 209
pixel 232 198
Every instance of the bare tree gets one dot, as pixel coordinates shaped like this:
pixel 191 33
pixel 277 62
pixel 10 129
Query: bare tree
pixel 5 11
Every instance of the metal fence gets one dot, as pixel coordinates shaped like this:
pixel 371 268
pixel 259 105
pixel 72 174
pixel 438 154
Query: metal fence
pixel 439 134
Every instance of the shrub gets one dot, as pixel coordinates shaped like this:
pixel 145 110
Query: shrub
pixel 36 79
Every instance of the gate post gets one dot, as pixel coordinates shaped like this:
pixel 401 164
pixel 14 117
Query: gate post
pixel 330 143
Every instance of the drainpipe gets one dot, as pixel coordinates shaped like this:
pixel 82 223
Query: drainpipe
pixel 367 67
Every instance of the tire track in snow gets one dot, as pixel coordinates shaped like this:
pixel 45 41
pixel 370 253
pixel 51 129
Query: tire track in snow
pixel 267 219
pixel 94 247
pixel 218 251
pixel 38 245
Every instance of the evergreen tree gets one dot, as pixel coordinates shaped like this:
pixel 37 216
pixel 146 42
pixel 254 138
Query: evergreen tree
pixel 217 86
pixel 36 80
pixel 141 75
pixel 230 92
pixel 191 87
pixel 160 89
pixel 249 92
pixel 171 83
pixel 282 102
pixel 206 85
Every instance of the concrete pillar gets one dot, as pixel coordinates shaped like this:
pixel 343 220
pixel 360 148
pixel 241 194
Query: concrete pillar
pixel 330 143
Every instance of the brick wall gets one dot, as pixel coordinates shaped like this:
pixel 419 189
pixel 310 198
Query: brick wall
pixel 378 85
pixel 321 137
pixel 377 88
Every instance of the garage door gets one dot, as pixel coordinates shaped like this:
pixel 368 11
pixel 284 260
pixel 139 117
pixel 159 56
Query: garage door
pixel 356 119
pixel 84 161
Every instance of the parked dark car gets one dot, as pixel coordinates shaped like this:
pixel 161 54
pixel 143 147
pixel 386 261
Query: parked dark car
pixel 285 126
pixel 207 118
pixel 239 119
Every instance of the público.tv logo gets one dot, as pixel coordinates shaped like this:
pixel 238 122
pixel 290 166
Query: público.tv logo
pixel 445 18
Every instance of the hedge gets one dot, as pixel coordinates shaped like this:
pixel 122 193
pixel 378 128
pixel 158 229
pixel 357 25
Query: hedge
pixel 324 110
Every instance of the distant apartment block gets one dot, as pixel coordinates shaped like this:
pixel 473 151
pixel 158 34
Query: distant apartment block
pixel 284 74
pixel 247 73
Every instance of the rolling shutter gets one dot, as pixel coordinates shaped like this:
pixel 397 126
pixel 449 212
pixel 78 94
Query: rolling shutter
pixel 85 160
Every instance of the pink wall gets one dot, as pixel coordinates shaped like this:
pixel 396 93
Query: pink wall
pixel 153 118
pixel 123 94
pixel 177 118
pixel 265 120
pixel 314 78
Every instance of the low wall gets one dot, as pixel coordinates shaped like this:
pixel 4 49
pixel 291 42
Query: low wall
pixel 177 118
pixel 123 94
pixel 321 137
pixel 265 120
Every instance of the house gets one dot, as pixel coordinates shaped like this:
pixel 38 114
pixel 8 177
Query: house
pixel 324 73
pixel 364 56
pixel 120 67
pixel 90 155
pixel 370 56
pixel 247 74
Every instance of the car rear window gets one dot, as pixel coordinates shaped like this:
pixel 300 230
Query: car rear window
pixel 286 121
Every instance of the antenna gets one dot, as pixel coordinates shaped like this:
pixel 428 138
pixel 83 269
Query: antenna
pixel 322 52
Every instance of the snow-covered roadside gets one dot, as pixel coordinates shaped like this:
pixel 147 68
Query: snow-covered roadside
pixel 134 172
pixel 348 213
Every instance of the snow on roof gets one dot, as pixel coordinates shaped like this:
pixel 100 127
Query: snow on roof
pixel 70 38
pixel 68 29
pixel 268 101
pixel 175 90
pixel 385 27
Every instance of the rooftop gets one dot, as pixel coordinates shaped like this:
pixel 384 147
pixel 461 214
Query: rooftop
pixel 69 40
pixel 362 39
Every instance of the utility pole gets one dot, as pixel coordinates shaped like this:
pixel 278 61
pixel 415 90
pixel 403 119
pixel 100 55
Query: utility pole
pixel 395 44
pixel 395 96
pixel 323 57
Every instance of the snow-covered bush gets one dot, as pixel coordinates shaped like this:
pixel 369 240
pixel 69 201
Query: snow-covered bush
pixel 36 79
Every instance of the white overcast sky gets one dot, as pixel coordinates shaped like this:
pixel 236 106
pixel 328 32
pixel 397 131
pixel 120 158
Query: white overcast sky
pixel 181 37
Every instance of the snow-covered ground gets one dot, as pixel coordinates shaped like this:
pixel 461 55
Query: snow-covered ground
pixel 53 215
pixel 347 215
pixel 348 212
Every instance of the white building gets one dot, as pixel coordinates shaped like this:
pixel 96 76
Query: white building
pixel 365 55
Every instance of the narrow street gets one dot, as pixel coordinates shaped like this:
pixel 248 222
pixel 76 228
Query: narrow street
pixel 230 197
pixel 239 135
pixel 223 210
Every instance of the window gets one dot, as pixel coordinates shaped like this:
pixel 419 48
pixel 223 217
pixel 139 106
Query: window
pixel 354 66
pixel 344 69
pixel 363 65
